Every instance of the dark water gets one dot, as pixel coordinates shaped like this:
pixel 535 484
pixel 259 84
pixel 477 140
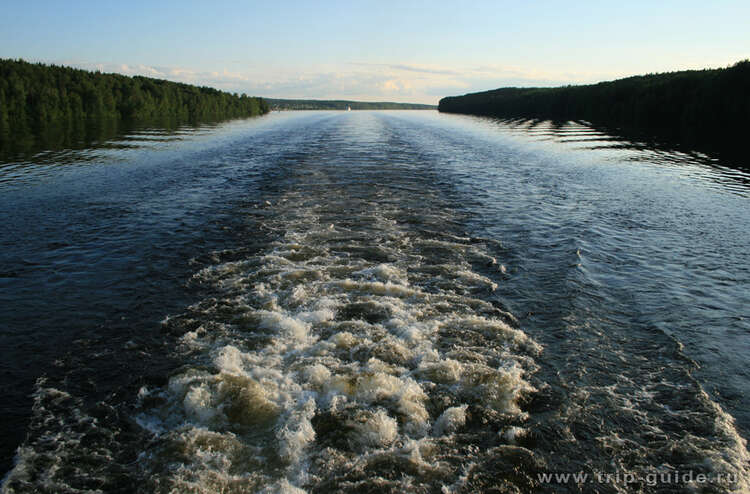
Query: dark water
pixel 374 301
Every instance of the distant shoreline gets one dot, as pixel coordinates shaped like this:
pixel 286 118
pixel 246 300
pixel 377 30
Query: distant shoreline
pixel 705 110
pixel 314 104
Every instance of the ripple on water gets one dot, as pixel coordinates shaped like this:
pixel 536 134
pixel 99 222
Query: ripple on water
pixel 364 346
pixel 365 366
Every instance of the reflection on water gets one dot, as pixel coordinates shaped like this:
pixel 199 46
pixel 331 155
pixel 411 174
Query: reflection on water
pixel 33 164
pixel 733 175
pixel 113 143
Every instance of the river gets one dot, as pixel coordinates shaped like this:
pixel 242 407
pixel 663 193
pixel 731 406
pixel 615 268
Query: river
pixel 384 301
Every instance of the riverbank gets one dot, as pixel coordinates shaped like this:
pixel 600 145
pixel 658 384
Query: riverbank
pixel 49 106
pixel 698 109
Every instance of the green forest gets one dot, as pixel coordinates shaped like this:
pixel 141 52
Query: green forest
pixel 48 105
pixel 702 109
pixel 316 104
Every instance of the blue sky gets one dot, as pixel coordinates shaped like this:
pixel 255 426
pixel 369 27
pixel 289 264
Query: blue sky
pixel 367 50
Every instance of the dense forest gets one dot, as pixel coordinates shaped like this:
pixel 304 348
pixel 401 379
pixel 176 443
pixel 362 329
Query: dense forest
pixel 313 104
pixel 702 109
pixel 41 104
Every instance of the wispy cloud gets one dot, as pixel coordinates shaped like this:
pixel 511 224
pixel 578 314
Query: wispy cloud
pixel 179 74
pixel 356 80
pixel 409 68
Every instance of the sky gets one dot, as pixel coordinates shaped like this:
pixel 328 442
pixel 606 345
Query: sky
pixel 404 51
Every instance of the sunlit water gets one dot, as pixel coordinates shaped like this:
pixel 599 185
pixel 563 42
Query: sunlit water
pixel 373 301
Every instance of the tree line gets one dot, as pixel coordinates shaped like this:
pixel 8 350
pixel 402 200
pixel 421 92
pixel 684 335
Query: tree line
pixel 703 109
pixel 39 102
pixel 316 104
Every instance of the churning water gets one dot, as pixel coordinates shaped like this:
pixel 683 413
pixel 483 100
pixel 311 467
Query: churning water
pixel 375 302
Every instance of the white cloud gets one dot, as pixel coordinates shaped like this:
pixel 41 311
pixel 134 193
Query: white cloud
pixel 357 80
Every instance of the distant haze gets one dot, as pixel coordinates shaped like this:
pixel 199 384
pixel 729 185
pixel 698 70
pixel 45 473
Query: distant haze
pixel 377 51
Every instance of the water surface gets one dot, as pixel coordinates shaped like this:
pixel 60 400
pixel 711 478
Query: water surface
pixel 361 301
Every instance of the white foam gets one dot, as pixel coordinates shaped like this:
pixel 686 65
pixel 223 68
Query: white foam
pixel 296 433
pixel 198 404
pixel 385 273
pixel 376 375
pixel 229 359
pixel 378 288
pixel 288 326
pixel 317 316
pixel 442 371
pixel 283 486
pixel 450 420
pixel 513 433
pixel 376 430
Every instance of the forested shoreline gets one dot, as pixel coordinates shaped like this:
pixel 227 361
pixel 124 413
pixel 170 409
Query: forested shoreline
pixel 47 105
pixel 316 104
pixel 702 109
